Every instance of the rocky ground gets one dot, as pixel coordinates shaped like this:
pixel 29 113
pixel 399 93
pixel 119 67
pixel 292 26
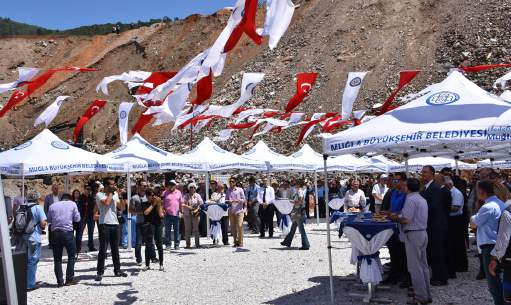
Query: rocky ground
pixel 260 273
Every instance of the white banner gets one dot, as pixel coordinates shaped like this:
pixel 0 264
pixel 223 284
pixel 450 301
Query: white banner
pixel 124 113
pixel 50 112
pixel 278 17
pixel 349 96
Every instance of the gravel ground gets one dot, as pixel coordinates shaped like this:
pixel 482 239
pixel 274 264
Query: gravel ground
pixel 260 273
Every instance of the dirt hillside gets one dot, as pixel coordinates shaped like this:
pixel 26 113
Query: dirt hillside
pixel 330 37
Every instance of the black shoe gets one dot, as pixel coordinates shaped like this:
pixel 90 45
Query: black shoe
pixel 93 249
pixel 61 284
pixel 284 244
pixel 480 276
pixel 261 236
pixel 227 244
pixel 98 277
pixel 70 282
pixel 120 274
pixel 438 283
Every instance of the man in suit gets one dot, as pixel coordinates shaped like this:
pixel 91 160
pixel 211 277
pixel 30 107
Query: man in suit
pixel 438 211
pixel 51 198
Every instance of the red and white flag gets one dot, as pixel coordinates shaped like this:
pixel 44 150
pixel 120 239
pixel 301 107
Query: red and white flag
pixel 19 96
pixel 405 77
pixel 134 77
pixel 171 107
pixel 350 94
pixel 50 112
pixel 143 120
pixel 24 75
pixel 304 83
pixel 94 108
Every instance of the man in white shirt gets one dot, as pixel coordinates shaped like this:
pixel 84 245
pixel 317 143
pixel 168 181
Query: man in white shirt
pixel 379 191
pixel 266 197
pixel 457 260
pixel 355 197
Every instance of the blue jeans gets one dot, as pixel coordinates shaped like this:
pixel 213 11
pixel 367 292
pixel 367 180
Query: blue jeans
pixel 494 282
pixel 300 224
pixel 172 222
pixel 124 236
pixel 33 249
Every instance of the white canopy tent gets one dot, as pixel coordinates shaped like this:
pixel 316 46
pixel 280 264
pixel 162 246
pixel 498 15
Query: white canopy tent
pixel 382 161
pixel 416 164
pixel 140 156
pixel 274 161
pixel 46 154
pixel 503 164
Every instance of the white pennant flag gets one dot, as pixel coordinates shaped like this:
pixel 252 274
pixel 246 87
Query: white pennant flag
pixel 248 84
pixel 350 93
pixel 224 135
pixel 127 77
pixel 278 17
pixel 50 112
pixel 506 96
pixel 24 75
pixel 124 113
pixel 502 81
pixel 171 107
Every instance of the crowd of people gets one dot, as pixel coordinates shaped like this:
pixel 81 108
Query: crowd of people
pixel 434 214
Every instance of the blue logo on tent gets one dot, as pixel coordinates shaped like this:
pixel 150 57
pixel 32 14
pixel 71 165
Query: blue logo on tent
pixel 442 98
pixel 59 145
pixel 123 115
pixel 155 149
pixel 23 146
pixel 123 147
pixel 356 82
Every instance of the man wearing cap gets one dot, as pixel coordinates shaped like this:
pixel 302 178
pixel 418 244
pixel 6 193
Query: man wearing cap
pixel 235 197
pixel 32 242
pixel 457 260
pixel 379 191
pixel 172 203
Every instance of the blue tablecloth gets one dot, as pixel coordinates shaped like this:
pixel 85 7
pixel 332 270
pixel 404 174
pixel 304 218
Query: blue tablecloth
pixel 367 228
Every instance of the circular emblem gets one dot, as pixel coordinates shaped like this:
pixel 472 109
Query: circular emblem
pixel 123 115
pixel 356 82
pixel 59 145
pixel 23 146
pixel 123 147
pixel 251 88
pixel 442 98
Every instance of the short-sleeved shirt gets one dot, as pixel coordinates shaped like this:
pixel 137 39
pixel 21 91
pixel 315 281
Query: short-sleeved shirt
pixel 487 221
pixel 62 214
pixel 172 202
pixel 354 199
pixel 381 190
pixel 457 201
pixel 236 193
pixel 415 210
pixel 194 201
pixel 38 216
pixel 107 213
pixel 397 201
pixel 137 203
pixel 251 193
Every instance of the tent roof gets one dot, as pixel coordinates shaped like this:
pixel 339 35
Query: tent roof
pixel 276 161
pixel 453 116
pixel 142 156
pixel 218 159
pixel 416 164
pixel 47 154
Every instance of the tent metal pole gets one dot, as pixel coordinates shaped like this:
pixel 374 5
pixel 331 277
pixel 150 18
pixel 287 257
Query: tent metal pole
pixel 128 190
pixel 407 169
pixel 7 262
pixel 329 245
pixel 457 168
pixel 316 196
pixel 66 183
pixel 206 199
pixel 491 162
pixel 23 191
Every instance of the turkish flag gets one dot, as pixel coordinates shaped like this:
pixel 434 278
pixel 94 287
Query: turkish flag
pixel 304 83
pixel 94 108
pixel 305 129
pixel 484 67
pixel 247 26
pixel 204 89
pixel 404 78
pixel 156 79
pixel 143 120
pixel 18 96
pixel 241 125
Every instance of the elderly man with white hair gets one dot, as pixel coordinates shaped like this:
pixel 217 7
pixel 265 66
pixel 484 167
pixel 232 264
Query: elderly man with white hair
pixel 29 222
pixel 191 212
pixel 457 260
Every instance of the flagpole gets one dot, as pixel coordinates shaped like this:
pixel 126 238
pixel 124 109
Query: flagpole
pixel 7 261
pixel 128 190
pixel 329 245
pixel 316 194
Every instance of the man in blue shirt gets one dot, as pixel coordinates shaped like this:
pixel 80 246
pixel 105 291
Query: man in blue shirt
pixel 486 221
pixel 252 205
pixel 32 242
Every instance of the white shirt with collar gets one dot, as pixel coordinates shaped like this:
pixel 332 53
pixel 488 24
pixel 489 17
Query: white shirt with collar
pixel 269 196
pixel 428 184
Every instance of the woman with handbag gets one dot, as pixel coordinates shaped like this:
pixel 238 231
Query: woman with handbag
pixel 191 213
pixel 298 218
pixel 152 226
